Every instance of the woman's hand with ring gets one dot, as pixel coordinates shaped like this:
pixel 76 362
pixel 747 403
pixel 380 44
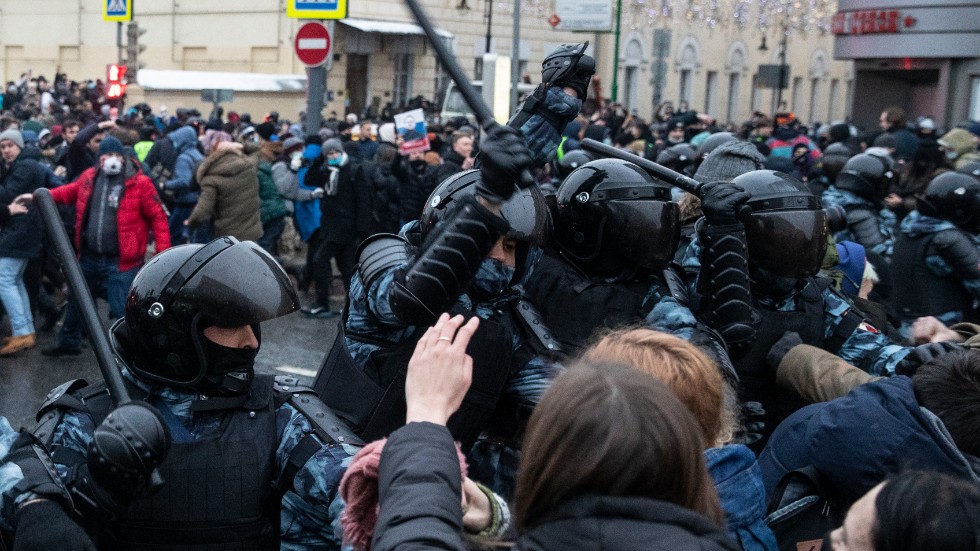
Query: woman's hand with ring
pixel 440 371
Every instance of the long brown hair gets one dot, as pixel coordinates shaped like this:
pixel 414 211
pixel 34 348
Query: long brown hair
pixel 687 371
pixel 607 429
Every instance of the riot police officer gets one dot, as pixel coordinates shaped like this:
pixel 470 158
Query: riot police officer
pixel 859 188
pixel 477 240
pixel 786 239
pixel 936 260
pixel 253 464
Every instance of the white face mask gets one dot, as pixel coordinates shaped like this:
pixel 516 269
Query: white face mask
pixel 112 165
pixel 296 161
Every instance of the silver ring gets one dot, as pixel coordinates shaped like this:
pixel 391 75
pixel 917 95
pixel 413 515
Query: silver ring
pixel 445 339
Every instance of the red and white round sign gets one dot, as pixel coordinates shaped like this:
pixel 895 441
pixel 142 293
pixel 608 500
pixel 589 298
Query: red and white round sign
pixel 312 44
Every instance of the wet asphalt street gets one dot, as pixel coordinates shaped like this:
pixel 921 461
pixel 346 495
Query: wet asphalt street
pixel 294 344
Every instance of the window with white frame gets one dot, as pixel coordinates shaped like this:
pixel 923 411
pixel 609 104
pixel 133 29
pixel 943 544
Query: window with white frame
pixel 402 87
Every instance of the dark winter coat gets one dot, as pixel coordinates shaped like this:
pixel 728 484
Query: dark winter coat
pixel 416 180
pixel 877 430
pixel 139 212
pixel 273 207
pixel 346 215
pixel 420 484
pixel 21 236
pixel 229 194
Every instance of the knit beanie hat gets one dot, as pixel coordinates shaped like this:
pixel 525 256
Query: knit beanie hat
pixel 331 145
pixel 839 132
pixel 359 490
pixel 213 137
pixel 110 144
pixel 14 136
pixel 266 130
pixel 32 125
pixel 729 160
pixel 29 137
pixel 852 260
pixel 292 144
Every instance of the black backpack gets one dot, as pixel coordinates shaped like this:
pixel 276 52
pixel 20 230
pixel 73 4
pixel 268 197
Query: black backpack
pixel 802 510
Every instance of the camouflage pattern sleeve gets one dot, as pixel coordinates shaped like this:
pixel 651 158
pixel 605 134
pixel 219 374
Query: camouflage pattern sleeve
pixel 10 476
pixel 668 315
pixel 73 433
pixel 865 347
pixel 311 507
pixel 526 386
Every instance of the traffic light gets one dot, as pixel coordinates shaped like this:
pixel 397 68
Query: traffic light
pixel 115 81
pixel 133 46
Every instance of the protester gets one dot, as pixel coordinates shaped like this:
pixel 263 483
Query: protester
pixel 642 483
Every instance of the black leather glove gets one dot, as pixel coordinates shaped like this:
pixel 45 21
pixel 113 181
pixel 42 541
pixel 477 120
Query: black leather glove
pixel 126 450
pixel 44 525
pixel 781 348
pixel 503 157
pixel 923 354
pixel 721 202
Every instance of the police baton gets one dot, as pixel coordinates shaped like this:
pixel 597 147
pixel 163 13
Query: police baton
pixel 80 292
pixel 676 179
pixel 484 116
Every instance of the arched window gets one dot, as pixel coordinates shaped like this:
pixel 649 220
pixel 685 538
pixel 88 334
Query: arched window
pixel 687 64
pixel 735 68
pixel 631 58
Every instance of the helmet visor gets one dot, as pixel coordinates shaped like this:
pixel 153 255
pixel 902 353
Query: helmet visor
pixel 789 243
pixel 644 232
pixel 527 213
pixel 242 285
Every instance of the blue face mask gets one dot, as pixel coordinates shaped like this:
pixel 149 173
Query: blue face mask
pixel 338 161
pixel 493 277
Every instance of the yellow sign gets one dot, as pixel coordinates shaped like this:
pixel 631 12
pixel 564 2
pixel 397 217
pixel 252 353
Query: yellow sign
pixel 117 10
pixel 316 9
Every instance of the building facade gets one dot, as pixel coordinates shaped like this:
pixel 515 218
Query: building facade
pixel 380 57
pixel 921 56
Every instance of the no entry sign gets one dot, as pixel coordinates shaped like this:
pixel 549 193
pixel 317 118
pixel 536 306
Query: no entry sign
pixel 312 44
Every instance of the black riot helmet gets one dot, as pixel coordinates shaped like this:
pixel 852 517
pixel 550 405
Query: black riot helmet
pixel 570 161
pixel 526 212
pixel 568 66
pixel 677 157
pixel 184 290
pixel 867 176
pixel 833 160
pixel 972 168
pixel 713 141
pixel 787 231
pixel 955 197
pixel 612 216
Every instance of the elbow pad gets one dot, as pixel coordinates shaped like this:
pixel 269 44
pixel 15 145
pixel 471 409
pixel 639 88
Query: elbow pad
pixel 445 264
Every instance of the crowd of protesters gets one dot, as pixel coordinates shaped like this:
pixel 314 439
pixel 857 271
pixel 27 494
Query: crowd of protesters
pixel 645 440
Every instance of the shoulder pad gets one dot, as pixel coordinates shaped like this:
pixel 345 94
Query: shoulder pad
pixel 533 320
pixel 61 396
pixel 379 253
pixel 326 424
pixel 674 278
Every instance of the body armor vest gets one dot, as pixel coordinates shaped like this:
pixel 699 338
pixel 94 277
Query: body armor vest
pixel 919 292
pixel 574 306
pixel 219 492
pixel 372 400
pixel 758 381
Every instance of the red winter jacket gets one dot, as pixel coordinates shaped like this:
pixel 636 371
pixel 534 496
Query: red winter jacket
pixel 140 210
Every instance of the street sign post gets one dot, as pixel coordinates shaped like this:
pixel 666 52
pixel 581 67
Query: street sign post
pixel 117 10
pixel 316 9
pixel 312 44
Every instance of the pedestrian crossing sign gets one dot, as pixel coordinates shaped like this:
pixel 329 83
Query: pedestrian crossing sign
pixel 316 9
pixel 117 10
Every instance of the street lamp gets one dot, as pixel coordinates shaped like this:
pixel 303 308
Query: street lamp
pixel 763 47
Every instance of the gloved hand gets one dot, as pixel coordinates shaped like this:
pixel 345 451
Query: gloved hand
pixel 126 450
pixel 782 347
pixel 317 193
pixel 923 354
pixel 721 202
pixel 44 525
pixel 503 157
